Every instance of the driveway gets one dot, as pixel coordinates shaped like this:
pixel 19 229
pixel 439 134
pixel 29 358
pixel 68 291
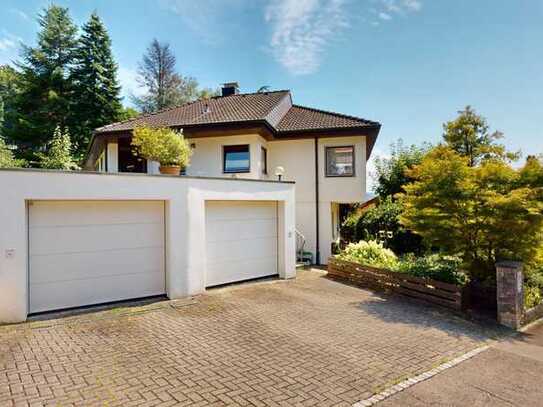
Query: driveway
pixel 309 341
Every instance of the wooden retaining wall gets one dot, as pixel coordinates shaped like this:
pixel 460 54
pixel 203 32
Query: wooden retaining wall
pixel 435 292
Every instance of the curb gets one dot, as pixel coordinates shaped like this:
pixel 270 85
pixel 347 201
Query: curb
pixel 405 384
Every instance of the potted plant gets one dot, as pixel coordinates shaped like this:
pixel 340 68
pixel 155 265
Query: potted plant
pixel 164 145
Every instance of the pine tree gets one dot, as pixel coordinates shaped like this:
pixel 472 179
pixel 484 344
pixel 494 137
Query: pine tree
pixel 96 97
pixel 59 154
pixel 44 98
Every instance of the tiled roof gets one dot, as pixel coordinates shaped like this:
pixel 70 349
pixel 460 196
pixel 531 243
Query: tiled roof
pixel 306 118
pixel 273 108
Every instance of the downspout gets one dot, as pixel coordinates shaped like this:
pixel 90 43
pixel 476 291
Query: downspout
pixel 318 253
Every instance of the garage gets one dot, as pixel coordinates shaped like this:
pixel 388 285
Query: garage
pixel 241 241
pixel 92 252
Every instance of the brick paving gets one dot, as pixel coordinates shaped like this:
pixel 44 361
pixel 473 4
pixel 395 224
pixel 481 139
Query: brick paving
pixel 309 341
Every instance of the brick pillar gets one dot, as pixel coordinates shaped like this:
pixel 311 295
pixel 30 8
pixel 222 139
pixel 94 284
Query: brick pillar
pixel 510 293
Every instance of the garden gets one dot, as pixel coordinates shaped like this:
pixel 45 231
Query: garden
pixel 450 212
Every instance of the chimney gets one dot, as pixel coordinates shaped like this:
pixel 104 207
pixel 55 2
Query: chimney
pixel 230 88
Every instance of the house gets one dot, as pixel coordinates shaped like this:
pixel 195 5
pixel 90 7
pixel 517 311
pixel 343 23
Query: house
pixel 253 136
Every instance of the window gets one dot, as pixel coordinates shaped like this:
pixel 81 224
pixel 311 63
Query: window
pixel 236 159
pixel 128 162
pixel 340 161
pixel 264 159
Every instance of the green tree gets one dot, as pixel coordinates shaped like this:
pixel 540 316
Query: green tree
pixel 96 90
pixel 44 98
pixel 7 160
pixel 59 154
pixel 469 136
pixel 8 90
pixel 482 213
pixel 164 87
pixel 382 223
pixel 391 172
pixel 128 113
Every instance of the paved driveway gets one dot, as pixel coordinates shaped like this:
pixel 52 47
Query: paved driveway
pixel 311 341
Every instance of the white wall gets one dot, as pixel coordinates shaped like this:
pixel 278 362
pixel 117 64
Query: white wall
pixel 207 157
pixel 185 221
pixel 298 159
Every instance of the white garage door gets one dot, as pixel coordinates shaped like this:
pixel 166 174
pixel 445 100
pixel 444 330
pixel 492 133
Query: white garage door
pixel 241 241
pixel 91 252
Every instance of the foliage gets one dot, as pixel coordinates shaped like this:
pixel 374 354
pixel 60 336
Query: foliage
pixel 383 217
pixel 59 154
pixel 128 113
pixel 9 79
pixel 6 157
pixel 369 253
pixel 96 92
pixel 469 136
pixel 391 173
pixel 483 214
pixel 532 297
pixel 164 86
pixel 44 97
pixel 434 266
pixel 164 145
pixel 533 280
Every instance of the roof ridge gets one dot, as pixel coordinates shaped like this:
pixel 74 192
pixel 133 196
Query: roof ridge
pixel 361 119
pixel 144 115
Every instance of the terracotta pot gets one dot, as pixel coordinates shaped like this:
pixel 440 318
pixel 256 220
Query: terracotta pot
pixel 170 169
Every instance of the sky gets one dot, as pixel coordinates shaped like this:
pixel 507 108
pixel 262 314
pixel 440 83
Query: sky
pixel 409 64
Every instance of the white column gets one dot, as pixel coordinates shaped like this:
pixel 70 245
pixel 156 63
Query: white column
pixel 286 238
pixel 112 156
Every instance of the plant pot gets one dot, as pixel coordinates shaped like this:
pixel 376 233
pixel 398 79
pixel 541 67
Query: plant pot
pixel 170 169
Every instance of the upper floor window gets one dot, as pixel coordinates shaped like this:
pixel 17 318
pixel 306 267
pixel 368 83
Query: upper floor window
pixel 236 158
pixel 340 161
pixel 264 159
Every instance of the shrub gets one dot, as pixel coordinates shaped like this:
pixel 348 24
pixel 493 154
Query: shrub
pixel 532 297
pixel 433 266
pixel 164 145
pixel 59 154
pixel 384 217
pixel 369 253
pixel 6 157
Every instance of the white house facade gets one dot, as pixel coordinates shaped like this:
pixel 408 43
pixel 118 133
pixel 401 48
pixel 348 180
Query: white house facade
pixel 251 136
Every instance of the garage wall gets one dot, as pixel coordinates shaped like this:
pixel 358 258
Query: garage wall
pixel 184 199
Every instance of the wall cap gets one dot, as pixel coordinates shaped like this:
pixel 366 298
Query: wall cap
pixel 133 174
pixel 513 265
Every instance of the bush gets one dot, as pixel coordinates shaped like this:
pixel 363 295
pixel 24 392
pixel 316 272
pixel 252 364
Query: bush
pixel 433 266
pixel 369 253
pixel 532 297
pixel 164 145
pixel 384 217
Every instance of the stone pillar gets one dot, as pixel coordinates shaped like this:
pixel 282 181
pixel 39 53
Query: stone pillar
pixel 510 293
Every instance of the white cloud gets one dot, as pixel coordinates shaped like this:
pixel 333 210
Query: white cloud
pixel 6 44
pixel 384 16
pixel 370 168
pixel 20 13
pixel 302 30
pixel 386 9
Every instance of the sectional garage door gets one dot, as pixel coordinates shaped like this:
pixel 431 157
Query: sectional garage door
pixel 91 252
pixel 241 241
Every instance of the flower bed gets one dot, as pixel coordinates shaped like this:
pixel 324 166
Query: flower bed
pixel 432 278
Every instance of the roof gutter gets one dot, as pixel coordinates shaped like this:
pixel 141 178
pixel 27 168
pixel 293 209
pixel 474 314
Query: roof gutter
pixel 317 228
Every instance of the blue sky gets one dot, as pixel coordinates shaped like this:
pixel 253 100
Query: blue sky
pixel 410 64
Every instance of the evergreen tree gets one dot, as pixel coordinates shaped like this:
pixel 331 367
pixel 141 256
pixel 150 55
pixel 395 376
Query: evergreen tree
pixel 59 154
pixel 96 97
pixel 44 99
